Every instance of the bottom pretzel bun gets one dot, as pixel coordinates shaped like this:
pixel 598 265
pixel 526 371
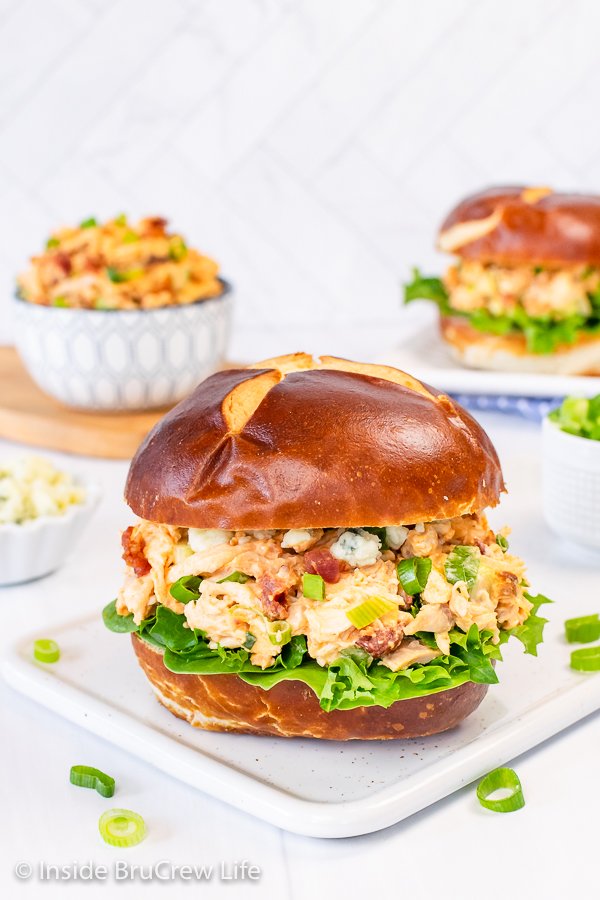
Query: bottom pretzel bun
pixel 508 353
pixel 291 709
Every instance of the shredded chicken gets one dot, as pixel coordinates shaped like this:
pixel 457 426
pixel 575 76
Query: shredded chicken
pixel 274 564
pixel 409 653
pixel 542 291
pixel 118 265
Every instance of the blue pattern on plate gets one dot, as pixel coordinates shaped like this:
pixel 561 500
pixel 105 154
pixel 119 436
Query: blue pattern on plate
pixel 532 408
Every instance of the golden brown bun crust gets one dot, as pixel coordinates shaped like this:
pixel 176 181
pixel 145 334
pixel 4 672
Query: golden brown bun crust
pixel 517 224
pixel 508 353
pixel 291 709
pixel 317 446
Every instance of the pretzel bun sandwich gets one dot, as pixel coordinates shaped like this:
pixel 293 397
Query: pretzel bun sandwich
pixel 312 556
pixel 523 293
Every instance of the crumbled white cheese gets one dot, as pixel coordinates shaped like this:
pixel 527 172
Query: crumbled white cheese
pixel 263 535
pixel 357 548
pixel 395 536
pixel 420 527
pixel 33 487
pixel 201 539
pixel 298 539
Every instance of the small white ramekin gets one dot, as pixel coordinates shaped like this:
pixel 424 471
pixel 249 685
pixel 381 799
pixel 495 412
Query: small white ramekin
pixel 571 485
pixel 40 546
pixel 122 359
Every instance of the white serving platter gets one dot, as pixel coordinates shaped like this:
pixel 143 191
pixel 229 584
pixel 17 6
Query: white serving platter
pixel 422 352
pixel 316 788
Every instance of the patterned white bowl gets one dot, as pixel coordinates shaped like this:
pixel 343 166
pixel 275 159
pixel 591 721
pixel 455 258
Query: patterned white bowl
pixel 571 485
pixel 105 359
pixel 41 546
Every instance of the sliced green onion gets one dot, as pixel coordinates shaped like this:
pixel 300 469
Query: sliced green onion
pixel 88 223
pixel 52 242
pixel 121 219
pixel 413 573
pixel 502 542
pixel 586 660
pixel 313 586
pixel 501 779
pixel 118 277
pixel 177 248
pixel 122 827
pixel 240 577
pixel 186 588
pixel 365 613
pixel 87 777
pixel 279 632
pixel 583 630
pixel 46 650
pixel 130 237
pixel 249 642
pixel 462 564
pixel 60 301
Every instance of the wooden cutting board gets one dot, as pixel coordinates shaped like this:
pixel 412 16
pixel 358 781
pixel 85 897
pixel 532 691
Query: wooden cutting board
pixel 31 417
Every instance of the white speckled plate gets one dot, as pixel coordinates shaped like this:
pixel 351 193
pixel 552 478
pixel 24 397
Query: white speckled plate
pixel 317 788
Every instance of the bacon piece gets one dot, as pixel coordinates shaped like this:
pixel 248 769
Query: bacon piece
pixel 379 639
pixel 133 552
pixel 272 597
pixel 482 546
pixel 321 562
pixel 63 261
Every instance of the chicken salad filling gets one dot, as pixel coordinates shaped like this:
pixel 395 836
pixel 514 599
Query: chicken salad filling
pixel 399 600
pixel 550 305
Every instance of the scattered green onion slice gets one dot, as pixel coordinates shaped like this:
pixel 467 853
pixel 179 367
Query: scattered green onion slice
pixel 52 242
pixel 186 588
pixel 121 219
pixel 413 573
pixel 586 660
pixel 88 223
pixel 249 642
pixel 313 586
pixel 583 630
pixel 88 777
pixel 240 577
pixel 279 632
pixel 365 613
pixel 46 650
pixel 502 542
pixel 501 779
pixel 60 301
pixel 122 827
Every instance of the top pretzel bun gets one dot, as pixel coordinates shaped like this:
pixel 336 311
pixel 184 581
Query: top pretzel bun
pixel 533 225
pixel 294 442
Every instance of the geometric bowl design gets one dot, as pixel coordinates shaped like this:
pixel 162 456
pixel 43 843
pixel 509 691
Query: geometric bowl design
pixel 103 359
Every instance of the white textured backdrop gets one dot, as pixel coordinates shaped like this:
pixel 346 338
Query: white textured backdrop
pixel 310 145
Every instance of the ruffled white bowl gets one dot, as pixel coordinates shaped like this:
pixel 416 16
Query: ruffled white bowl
pixel 40 546
pixel 571 485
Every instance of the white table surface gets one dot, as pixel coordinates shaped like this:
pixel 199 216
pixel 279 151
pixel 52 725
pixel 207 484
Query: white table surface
pixel 454 848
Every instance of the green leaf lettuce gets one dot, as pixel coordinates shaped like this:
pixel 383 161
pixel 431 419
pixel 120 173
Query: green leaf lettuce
pixel 353 680
pixel 542 333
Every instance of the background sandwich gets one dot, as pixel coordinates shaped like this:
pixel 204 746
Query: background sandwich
pixel 524 291
pixel 313 556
